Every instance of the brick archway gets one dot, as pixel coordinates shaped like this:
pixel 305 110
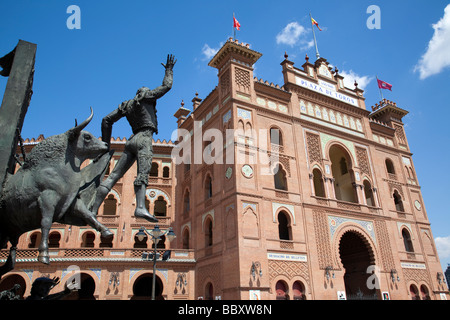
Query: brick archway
pixel 356 256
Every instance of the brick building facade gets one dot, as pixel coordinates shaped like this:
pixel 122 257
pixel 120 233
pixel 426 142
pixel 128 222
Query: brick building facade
pixel 282 192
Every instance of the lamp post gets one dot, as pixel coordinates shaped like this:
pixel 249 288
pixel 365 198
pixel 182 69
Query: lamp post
pixel 155 235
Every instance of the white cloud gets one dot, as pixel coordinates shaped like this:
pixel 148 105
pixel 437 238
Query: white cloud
pixel 290 35
pixel 350 77
pixel 209 52
pixel 309 44
pixel 443 247
pixel 437 56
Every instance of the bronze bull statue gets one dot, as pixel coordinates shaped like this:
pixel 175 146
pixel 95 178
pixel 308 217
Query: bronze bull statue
pixel 51 187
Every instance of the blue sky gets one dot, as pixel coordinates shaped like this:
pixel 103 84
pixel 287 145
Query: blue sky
pixel 121 44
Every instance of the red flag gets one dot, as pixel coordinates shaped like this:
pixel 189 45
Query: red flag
pixel 236 24
pixel 315 23
pixel 384 85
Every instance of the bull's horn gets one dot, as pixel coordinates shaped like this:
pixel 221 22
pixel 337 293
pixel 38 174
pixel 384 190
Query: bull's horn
pixel 81 126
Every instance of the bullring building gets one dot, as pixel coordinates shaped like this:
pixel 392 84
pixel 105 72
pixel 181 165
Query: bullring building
pixel 313 196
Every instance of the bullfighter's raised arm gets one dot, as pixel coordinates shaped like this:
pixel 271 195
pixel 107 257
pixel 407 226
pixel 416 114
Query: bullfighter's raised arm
pixel 166 85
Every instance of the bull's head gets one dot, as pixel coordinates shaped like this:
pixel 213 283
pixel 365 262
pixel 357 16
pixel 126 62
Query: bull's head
pixel 83 144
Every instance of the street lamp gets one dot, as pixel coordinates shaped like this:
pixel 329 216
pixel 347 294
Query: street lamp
pixel 254 269
pixel 393 277
pixel 329 272
pixel 440 278
pixel 155 235
pixel 114 279
pixel 181 281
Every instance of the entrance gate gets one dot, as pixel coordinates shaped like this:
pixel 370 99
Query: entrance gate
pixel 356 255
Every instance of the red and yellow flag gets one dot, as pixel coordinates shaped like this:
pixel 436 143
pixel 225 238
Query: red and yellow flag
pixel 315 23
pixel 236 24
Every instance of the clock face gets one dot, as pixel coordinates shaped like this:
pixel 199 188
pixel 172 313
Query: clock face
pixel 229 172
pixel 417 205
pixel 247 171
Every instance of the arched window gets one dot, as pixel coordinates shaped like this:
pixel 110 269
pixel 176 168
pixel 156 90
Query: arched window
pixel 35 239
pixel 166 172
pixel 106 242
pixel 414 292
pixel 160 207
pixel 241 126
pixel 368 193
pixel 343 176
pixel 298 291
pixel 407 241
pixel 398 202
pixel 408 172
pixel 319 189
pixel 208 232
pixel 154 169
pixel 161 243
pixel 248 129
pixel 276 137
pixel 208 187
pixel 88 240
pixel 284 226
pixel 138 244
pixel 281 290
pixel 209 291
pixel 390 166
pixel 279 178
pixel 110 206
pixel 424 293
pixel 53 240
pixel 186 238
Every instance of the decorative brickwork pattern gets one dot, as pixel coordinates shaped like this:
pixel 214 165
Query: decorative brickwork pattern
pixel 363 161
pixel 397 186
pixel 384 245
pixel 313 143
pixel 225 83
pixel 211 272
pixel 400 134
pixel 279 158
pixel 416 275
pixel 242 78
pixel 322 239
pixel 290 269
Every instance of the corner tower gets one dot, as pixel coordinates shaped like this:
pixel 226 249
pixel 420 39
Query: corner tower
pixel 235 61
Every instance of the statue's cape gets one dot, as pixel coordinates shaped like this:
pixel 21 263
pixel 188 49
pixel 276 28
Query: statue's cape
pixel 91 177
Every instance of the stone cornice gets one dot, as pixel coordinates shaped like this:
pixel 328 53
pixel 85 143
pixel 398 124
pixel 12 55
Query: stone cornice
pixel 233 46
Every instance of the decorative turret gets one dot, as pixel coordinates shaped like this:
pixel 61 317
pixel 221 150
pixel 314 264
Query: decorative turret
pixel 181 114
pixel 388 113
pixel 235 64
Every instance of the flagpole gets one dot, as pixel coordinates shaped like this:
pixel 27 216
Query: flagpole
pixel 314 35
pixel 234 28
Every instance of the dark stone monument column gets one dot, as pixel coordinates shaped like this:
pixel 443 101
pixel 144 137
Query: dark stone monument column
pixel 19 66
